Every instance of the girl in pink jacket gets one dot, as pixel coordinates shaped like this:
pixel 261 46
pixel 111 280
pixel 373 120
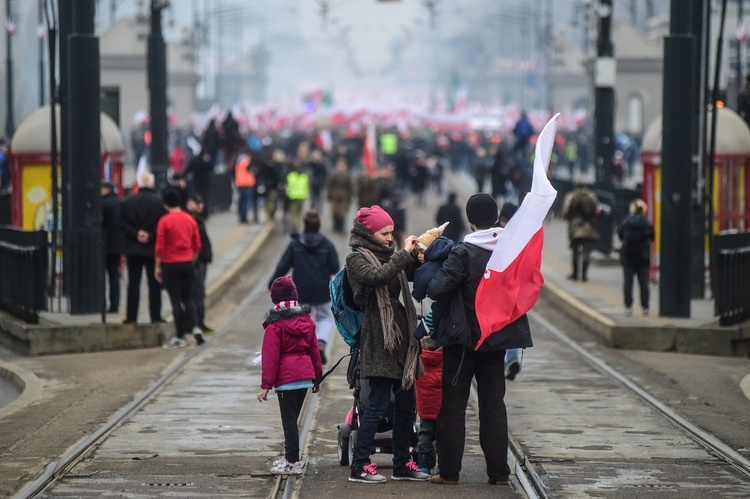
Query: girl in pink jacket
pixel 291 364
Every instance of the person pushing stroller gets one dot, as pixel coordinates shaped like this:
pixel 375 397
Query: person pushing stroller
pixel 389 353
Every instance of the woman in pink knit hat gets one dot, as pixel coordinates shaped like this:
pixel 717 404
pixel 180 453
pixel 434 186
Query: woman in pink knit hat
pixel 389 352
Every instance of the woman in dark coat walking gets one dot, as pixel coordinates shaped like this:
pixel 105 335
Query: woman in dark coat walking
pixel 389 352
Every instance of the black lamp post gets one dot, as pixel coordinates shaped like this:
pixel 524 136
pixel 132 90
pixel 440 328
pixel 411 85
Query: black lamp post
pixel 604 113
pixel 10 122
pixel 157 84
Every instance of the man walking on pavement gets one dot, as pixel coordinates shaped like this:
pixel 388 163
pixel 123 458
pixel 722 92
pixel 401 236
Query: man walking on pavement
pixel 140 215
pixel 196 208
pixel 313 260
pixel 244 180
pixel 178 245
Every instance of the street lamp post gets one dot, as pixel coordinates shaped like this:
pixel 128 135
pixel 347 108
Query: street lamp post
pixel 10 124
pixel 157 84
pixel 605 71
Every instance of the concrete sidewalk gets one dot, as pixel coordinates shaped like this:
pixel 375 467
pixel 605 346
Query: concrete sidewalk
pixel 233 244
pixel 599 303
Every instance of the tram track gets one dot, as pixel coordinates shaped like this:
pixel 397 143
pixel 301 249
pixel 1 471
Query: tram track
pixel 57 469
pixel 526 478
pixel 705 439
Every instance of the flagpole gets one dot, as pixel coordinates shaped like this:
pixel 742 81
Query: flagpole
pixel 10 125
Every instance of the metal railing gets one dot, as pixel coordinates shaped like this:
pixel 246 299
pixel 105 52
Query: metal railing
pixel 23 272
pixel 731 277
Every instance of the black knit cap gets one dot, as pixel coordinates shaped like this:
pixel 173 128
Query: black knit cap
pixel 481 210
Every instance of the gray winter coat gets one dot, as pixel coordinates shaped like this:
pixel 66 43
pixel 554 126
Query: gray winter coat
pixel 375 360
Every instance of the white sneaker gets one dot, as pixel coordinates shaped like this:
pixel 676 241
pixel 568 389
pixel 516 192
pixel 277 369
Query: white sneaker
pixel 645 312
pixel 287 468
pixel 278 464
pixel 175 342
pixel 629 311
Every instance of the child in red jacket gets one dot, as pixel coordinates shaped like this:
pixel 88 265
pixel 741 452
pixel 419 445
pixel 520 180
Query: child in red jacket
pixel 429 395
pixel 291 363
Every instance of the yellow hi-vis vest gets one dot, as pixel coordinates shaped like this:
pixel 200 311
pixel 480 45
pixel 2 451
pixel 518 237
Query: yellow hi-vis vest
pixel 297 185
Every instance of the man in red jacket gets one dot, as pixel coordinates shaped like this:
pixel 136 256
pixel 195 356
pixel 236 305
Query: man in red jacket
pixel 178 244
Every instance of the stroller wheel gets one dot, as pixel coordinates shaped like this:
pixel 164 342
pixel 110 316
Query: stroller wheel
pixel 343 449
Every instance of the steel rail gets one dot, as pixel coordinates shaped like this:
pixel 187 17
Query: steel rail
pixel 55 470
pixel 704 438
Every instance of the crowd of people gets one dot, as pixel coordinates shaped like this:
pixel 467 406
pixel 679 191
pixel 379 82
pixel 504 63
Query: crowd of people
pixel 164 235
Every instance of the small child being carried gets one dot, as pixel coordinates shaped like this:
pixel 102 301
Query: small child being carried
pixel 433 249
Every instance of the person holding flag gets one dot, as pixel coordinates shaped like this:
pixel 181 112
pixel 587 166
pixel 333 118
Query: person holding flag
pixel 490 279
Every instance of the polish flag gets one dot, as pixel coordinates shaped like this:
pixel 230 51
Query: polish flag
pixel 142 168
pixel 513 278
pixel 368 152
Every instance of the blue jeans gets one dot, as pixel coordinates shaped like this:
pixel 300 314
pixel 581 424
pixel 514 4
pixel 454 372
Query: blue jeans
pixel 243 205
pixel 510 355
pixel 641 272
pixel 403 421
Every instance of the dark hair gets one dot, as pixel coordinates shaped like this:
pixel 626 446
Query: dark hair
pixel 311 221
pixel 196 198
pixel 507 211
pixel 171 198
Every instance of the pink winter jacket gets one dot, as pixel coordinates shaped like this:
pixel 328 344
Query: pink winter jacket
pixel 290 348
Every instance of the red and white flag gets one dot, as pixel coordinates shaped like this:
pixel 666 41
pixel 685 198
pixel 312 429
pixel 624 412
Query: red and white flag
pixel 142 168
pixel 513 278
pixel 369 154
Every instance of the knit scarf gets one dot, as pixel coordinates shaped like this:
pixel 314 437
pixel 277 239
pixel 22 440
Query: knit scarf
pixel 391 334
pixel 287 304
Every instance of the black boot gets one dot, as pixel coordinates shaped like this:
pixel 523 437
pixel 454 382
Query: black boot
pixel 574 275
pixel 585 272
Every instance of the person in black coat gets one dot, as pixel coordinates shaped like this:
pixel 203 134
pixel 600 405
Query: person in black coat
pixel 458 333
pixel 313 260
pixel 196 207
pixel 200 170
pixel 113 242
pixel 211 142
pixel 451 212
pixel 140 215
pixel 636 234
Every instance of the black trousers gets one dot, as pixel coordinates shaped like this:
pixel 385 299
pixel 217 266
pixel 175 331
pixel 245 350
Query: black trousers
pixel 199 293
pixel 290 405
pixel 178 281
pixel 136 264
pixel 113 276
pixel 460 366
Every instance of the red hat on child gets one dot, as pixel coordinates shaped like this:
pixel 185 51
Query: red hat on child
pixel 283 289
pixel 374 218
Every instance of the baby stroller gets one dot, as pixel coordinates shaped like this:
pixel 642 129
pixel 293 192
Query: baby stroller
pixel 347 439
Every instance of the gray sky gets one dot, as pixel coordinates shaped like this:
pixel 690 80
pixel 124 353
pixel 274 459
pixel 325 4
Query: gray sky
pixel 365 47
